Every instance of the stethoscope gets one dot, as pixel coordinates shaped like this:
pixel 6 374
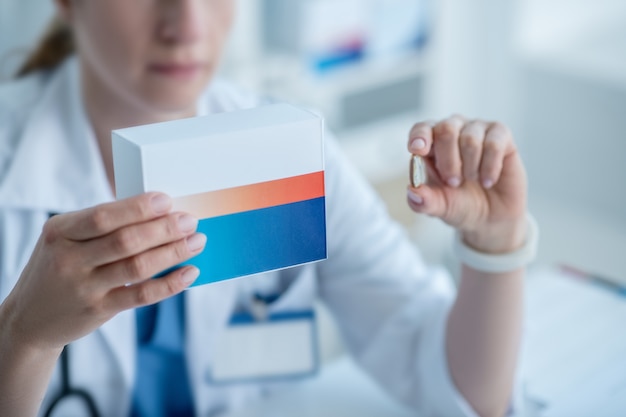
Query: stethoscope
pixel 67 391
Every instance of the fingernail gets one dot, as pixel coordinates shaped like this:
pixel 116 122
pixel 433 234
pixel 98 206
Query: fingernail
pixel 417 199
pixel 487 183
pixel 196 242
pixel 161 203
pixel 187 224
pixel 190 275
pixel 418 144
pixel 454 182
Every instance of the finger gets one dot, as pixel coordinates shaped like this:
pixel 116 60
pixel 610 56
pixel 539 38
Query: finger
pixel 150 263
pixel 106 218
pixel 446 150
pixel 138 238
pixel 471 147
pixel 498 142
pixel 427 200
pixel 152 290
pixel 421 138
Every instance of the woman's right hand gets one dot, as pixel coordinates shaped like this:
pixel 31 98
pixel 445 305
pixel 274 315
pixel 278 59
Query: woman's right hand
pixel 90 265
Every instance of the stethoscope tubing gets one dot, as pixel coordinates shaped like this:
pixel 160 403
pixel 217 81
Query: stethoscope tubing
pixel 67 391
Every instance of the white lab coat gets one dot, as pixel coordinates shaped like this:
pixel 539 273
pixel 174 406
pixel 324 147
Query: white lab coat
pixel 389 306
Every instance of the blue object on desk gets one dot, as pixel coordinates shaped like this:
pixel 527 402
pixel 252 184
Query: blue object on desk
pixel 603 282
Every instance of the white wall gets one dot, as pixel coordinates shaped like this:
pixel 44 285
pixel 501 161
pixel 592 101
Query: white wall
pixel 573 114
pixel 476 61
pixel 21 24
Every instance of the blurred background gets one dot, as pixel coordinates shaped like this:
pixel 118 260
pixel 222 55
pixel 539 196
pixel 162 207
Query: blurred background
pixel 553 70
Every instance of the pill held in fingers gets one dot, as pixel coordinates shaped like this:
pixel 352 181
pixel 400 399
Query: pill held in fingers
pixel 417 171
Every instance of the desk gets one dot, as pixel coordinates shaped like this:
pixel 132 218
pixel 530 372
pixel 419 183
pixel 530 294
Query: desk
pixel 341 389
pixel 575 346
pixel 576 362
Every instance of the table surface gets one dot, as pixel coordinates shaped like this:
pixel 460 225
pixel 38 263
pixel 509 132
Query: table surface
pixel 341 389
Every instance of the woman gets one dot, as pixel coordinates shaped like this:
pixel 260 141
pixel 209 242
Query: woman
pixel 76 277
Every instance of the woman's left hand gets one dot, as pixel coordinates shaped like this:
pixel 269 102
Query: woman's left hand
pixel 476 181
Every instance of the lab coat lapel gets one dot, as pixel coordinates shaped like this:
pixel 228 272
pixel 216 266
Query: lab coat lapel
pixel 119 333
pixel 57 165
pixel 57 168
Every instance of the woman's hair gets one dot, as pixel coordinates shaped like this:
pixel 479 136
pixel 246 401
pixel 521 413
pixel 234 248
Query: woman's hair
pixel 56 44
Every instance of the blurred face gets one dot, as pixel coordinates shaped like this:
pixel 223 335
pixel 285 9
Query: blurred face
pixel 155 54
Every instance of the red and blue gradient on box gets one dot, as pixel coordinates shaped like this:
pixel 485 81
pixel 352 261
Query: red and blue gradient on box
pixel 254 179
pixel 259 227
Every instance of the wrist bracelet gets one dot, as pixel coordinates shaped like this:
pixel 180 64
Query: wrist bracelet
pixel 502 262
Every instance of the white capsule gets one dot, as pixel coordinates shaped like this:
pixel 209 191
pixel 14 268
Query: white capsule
pixel 418 171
